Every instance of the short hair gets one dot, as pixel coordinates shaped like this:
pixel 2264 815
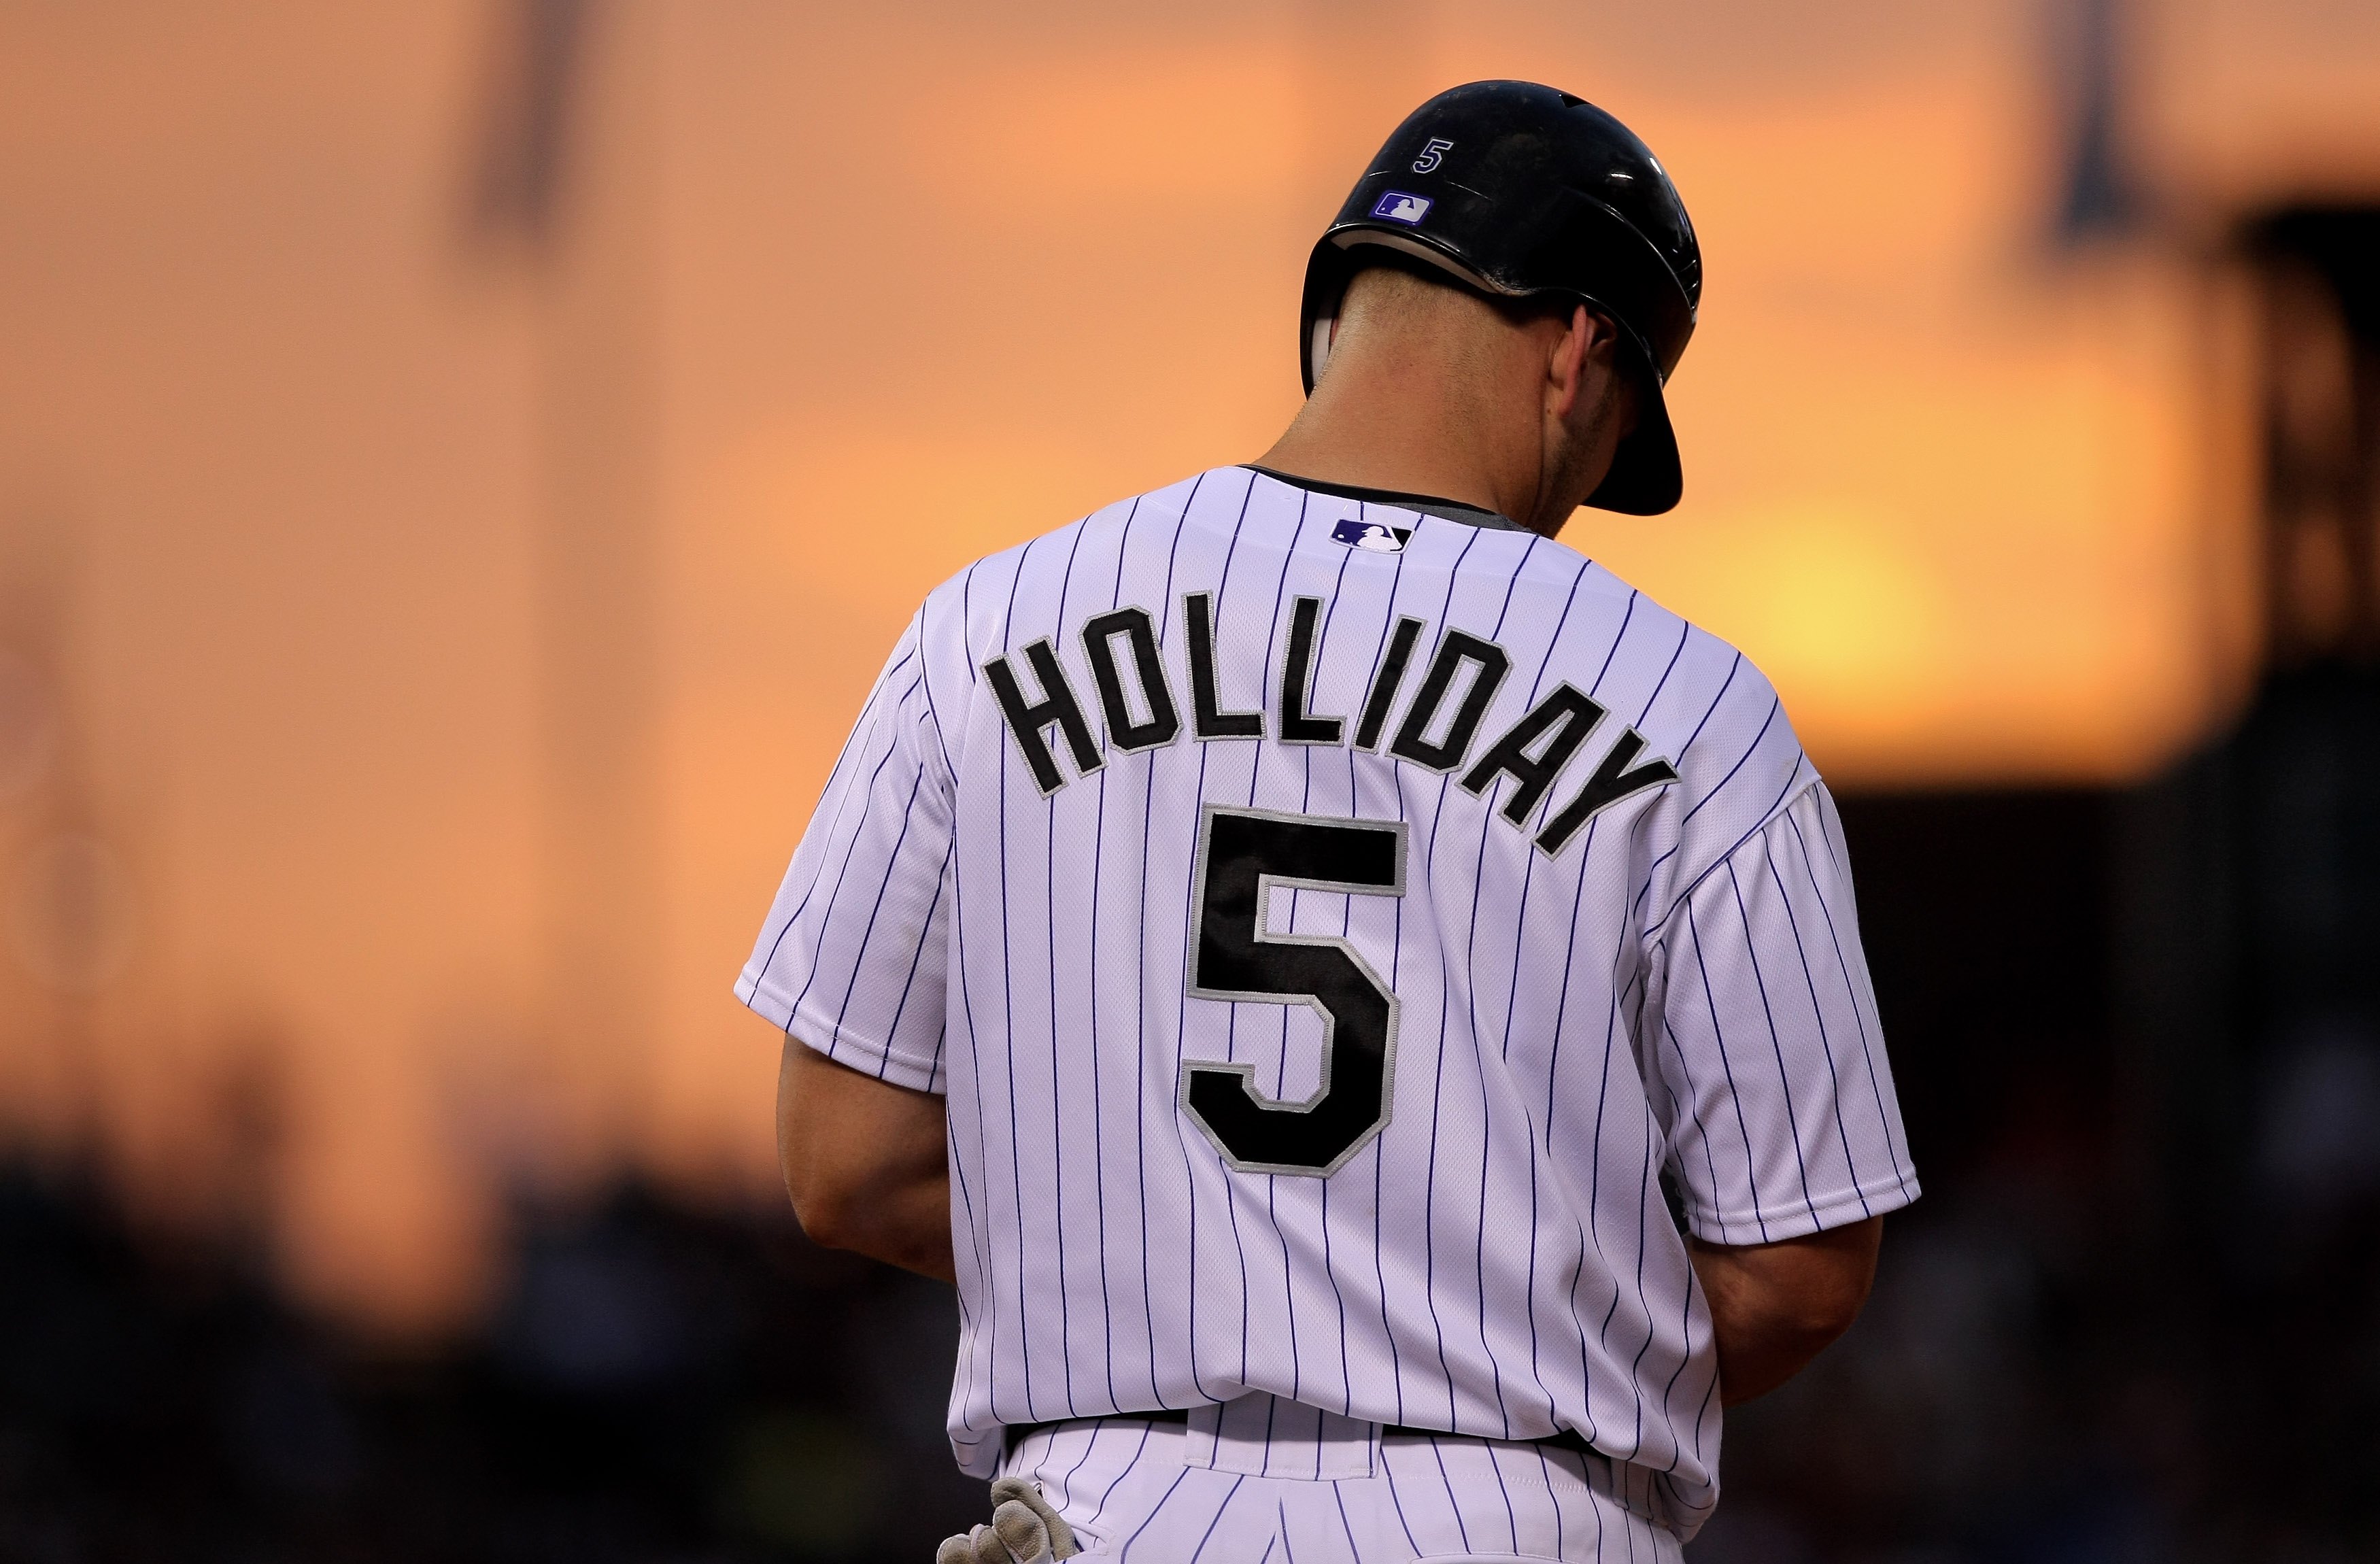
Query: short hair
pixel 1392 287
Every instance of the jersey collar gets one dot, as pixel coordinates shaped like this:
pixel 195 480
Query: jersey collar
pixel 1427 504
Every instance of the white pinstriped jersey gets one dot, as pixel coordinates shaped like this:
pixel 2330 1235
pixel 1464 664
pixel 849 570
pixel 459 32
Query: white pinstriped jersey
pixel 1330 923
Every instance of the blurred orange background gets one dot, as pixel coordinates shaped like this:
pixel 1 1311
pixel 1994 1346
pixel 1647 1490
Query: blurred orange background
pixel 460 467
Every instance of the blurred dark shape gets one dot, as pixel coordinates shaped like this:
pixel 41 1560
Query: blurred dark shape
pixel 519 174
pixel 1984 916
pixel 2151 1228
pixel 601 1310
pixel 658 1382
pixel 2256 863
pixel 807 1480
pixel 567 179
pixel 72 920
pixel 69 896
pixel 285 1427
pixel 2315 1139
pixel 2137 1315
pixel 1973 1413
pixel 2252 951
pixel 2099 196
pixel 2320 270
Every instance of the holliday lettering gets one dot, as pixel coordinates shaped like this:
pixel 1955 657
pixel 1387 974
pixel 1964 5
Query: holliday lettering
pixel 1138 710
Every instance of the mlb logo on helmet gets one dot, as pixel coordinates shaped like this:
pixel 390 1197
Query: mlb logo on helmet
pixel 1398 206
pixel 1372 535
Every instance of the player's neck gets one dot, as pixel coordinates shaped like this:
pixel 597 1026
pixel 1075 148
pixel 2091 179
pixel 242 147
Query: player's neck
pixel 1410 428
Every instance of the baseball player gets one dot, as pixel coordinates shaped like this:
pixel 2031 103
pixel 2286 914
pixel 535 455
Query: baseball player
pixel 1274 942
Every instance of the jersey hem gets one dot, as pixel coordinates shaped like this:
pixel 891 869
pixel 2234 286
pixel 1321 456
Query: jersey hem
pixel 1803 1217
pixel 851 1050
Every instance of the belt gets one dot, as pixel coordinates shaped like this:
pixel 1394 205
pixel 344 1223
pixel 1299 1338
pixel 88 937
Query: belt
pixel 1563 1439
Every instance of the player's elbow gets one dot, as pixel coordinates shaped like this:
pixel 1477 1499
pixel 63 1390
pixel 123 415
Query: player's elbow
pixel 830 1190
pixel 833 1215
pixel 834 1196
pixel 1819 1302
pixel 1788 1320
pixel 864 1162
pixel 902 1220
pixel 1776 1306
pixel 1822 1308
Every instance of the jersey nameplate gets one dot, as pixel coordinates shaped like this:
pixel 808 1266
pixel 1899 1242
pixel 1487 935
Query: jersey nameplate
pixel 1139 709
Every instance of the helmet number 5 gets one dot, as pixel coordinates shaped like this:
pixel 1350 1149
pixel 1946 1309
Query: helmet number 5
pixel 1235 955
pixel 1433 152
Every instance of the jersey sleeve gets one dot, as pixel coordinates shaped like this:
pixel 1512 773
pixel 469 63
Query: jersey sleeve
pixel 1769 1071
pixel 852 959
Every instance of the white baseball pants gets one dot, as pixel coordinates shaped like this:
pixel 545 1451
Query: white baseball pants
pixel 1264 1481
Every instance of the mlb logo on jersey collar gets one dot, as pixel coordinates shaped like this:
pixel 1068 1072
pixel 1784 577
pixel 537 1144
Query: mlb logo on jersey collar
pixel 1401 206
pixel 1377 536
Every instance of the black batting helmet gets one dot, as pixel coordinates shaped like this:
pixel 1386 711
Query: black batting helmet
pixel 1518 190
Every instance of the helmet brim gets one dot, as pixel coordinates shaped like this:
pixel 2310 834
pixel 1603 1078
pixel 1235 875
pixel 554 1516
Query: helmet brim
pixel 1646 477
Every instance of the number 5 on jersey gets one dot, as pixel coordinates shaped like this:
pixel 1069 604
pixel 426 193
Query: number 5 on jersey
pixel 1235 955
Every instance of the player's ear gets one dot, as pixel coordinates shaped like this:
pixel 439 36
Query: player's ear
pixel 1601 334
pixel 1568 359
pixel 1616 372
pixel 1586 362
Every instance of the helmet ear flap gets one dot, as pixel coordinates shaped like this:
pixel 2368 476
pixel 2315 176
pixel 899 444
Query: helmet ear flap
pixel 1318 333
pixel 1646 477
pixel 1328 272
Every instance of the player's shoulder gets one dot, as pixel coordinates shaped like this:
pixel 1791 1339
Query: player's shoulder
pixel 986 602
pixel 1700 690
pixel 1713 715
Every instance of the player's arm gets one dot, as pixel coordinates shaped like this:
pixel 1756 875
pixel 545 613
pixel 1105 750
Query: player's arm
pixel 1775 1307
pixel 1785 1136
pixel 865 1162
